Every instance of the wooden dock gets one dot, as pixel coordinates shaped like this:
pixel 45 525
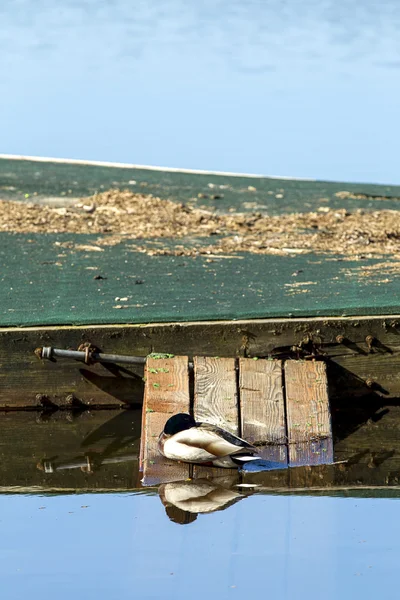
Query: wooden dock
pixel 64 289
pixel 282 407
pixel 283 324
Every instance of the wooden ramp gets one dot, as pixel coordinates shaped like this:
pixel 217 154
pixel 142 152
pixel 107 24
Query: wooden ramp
pixel 282 407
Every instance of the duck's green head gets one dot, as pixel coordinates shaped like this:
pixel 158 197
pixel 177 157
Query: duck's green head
pixel 178 423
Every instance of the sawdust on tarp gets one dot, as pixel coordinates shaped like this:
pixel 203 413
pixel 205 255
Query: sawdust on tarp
pixel 123 215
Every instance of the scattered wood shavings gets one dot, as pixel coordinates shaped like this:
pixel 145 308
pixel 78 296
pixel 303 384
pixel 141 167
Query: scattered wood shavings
pixel 123 215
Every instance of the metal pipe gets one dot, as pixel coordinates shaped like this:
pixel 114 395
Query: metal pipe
pixel 89 357
pixel 93 357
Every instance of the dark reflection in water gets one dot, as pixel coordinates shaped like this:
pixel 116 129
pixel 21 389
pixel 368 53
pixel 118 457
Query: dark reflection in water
pixel 303 89
pixel 90 451
pixel 70 450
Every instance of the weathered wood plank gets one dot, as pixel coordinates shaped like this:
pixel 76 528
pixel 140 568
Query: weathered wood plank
pixel 166 393
pixel 215 392
pixel 215 400
pixel 308 415
pixel 262 408
pixel 317 452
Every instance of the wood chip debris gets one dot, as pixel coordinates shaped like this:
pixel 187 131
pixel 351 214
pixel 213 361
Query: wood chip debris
pixel 122 215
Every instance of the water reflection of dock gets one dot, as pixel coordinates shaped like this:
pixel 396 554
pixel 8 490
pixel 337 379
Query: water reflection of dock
pixel 70 451
pixel 97 452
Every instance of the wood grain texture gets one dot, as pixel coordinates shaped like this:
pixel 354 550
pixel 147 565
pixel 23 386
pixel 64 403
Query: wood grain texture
pixel 215 400
pixel 166 393
pixel 262 407
pixel 308 413
pixel 317 452
pixel 215 392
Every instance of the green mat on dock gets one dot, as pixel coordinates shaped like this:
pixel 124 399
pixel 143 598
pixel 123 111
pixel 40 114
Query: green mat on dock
pixel 40 287
pixel 20 180
pixel 43 283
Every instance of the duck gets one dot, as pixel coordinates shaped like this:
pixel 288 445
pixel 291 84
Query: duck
pixel 185 440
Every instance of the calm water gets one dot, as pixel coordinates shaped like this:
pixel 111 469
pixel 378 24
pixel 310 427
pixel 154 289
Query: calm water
pixel 123 546
pixel 306 89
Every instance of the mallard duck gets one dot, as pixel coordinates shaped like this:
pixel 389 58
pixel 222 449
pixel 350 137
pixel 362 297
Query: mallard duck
pixel 185 440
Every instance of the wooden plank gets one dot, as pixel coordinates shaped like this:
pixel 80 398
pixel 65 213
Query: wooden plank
pixel 166 393
pixel 308 414
pixel 215 392
pixel 215 400
pixel 317 452
pixel 262 408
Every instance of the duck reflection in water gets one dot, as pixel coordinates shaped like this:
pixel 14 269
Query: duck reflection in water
pixel 184 500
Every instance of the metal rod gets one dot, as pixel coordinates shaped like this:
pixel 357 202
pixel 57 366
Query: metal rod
pixel 92 357
pixel 89 357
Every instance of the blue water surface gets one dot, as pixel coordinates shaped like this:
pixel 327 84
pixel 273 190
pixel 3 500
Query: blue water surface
pixel 124 546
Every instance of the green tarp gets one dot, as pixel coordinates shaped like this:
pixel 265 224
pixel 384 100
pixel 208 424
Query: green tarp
pixel 45 283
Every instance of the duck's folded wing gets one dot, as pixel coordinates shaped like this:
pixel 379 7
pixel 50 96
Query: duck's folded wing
pixel 212 441
pixel 227 436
